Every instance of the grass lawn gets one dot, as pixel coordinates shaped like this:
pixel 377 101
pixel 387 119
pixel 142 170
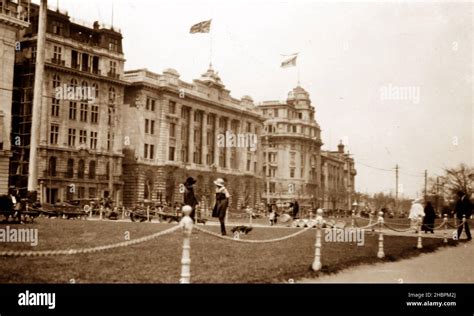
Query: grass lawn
pixel 213 260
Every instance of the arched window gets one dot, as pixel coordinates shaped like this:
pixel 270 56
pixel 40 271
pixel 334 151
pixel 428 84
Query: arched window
pixel 52 166
pixel 111 95
pixel 80 169
pixel 95 88
pixel 92 169
pixel 147 194
pixel 73 83
pixel 70 168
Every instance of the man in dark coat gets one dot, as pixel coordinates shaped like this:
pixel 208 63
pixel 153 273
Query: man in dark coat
pixel 189 197
pixel 429 219
pixel 296 209
pixel 463 207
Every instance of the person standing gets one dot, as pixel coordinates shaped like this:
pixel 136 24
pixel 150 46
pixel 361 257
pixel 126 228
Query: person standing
pixel 416 211
pixel 222 202
pixel 296 209
pixel 463 207
pixel 429 219
pixel 189 197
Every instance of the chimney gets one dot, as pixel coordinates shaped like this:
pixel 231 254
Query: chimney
pixel 96 25
pixel 340 147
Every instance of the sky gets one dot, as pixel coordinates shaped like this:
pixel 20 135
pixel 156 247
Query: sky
pixel 392 79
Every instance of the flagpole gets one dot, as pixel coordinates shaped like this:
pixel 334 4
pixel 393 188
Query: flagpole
pixel 210 49
pixel 298 74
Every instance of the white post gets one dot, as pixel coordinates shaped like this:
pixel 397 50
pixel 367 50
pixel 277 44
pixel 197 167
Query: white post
pixel 370 218
pixel 148 213
pixel 317 256
pixel 90 212
pixel 123 212
pixel 352 221
pixel 226 221
pixel 420 224
pixel 100 212
pixel 445 220
pixel 187 225
pixel 380 253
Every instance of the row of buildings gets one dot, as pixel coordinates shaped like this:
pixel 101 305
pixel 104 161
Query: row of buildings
pixel 137 135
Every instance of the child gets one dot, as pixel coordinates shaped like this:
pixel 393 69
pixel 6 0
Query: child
pixel 273 216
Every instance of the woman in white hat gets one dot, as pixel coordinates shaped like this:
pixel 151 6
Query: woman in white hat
pixel 416 213
pixel 222 201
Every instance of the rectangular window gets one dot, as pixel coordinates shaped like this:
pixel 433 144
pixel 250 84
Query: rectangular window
pixel 54 134
pixel 152 151
pixel 109 141
pixel 83 113
pixel 93 140
pixel 145 153
pixel 57 53
pixel 72 110
pixel 292 172
pixel 113 67
pixel 92 193
pixel 55 107
pixel 152 127
pixel 146 126
pixel 81 192
pixel 82 136
pixel 94 114
pixel 71 140
pixel 272 187
pixel 171 154
pixel 172 107
pixel 172 130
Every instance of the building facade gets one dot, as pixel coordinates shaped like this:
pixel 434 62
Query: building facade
pixel 337 179
pixel 174 129
pixel 80 141
pixel 13 18
pixel 292 145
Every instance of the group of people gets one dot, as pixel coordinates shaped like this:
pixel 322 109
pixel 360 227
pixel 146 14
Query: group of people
pixel 220 207
pixel 273 214
pixel 463 208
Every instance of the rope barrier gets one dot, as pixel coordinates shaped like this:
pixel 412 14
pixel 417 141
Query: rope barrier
pixel 398 230
pixel 47 253
pixel 253 241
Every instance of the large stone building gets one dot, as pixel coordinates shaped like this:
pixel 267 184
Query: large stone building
pixel 80 141
pixel 174 129
pixel 13 17
pixel 337 179
pixel 292 144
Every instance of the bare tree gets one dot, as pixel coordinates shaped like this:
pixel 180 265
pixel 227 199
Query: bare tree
pixel 459 179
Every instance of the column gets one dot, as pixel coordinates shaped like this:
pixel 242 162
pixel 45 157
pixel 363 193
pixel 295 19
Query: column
pixel 227 148
pixel 191 136
pixel 216 134
pixel 204 148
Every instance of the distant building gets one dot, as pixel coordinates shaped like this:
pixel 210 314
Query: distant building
pixel 337 179
pixel 292 145
pixel 174 129
pixel 13 17
pixel 80 141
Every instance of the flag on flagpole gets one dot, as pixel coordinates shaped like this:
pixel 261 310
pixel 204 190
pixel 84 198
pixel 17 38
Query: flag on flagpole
pixel 201 27
pixel 290 62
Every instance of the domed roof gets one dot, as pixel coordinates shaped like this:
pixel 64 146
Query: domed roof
pixel 171 71
pixel 211 76
pixel 298 93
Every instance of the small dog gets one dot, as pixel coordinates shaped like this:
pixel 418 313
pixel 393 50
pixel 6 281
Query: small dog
pixel 242 229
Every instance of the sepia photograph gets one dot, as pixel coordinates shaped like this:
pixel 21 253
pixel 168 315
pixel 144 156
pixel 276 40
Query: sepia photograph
pixel 236 142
